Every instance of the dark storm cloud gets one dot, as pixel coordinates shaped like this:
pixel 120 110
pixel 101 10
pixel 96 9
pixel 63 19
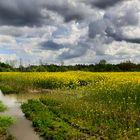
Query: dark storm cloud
pixel 103 4
pixel 33 12
pixel 107 32
pixel 75 51
pixel 113 24
pixel 132 40
pixel 18 12
pixel 119 37
pixel 66 10
pixel 50 45
pixel 97 27
pixel 70 10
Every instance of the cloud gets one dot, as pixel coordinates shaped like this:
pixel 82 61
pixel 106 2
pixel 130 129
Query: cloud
pixel 103 4
pixel 71 10
pixel 27 12
pixel 127 13
pixel 73 31
pixel 97 27
pixel 6 57
pixel 50 45
pixel 74 51
pixel 27 32
pixel 43 12
pixel 18 12
pixel 116 23
pixel 7 39
pixel 38 13
pixel 120 37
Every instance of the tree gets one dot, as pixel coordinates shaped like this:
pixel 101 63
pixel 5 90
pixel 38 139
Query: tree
pixel 127 66
pixel 103 61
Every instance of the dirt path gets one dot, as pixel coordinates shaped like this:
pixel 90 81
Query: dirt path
pixel 22 129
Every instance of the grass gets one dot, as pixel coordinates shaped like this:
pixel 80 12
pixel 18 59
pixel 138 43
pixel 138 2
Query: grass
pixel 7 89
pixel 2 107
pixel 5 122
pixel 48 124
pixel 94 119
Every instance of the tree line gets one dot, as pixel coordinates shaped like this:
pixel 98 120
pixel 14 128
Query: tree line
pixel 102 66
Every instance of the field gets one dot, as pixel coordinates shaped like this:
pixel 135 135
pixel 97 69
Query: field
pixel 16 82
pixel 80 105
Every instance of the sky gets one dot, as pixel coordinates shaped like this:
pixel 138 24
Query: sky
pixel 69 31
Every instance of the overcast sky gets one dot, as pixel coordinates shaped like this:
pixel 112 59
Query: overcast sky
pixel 72 31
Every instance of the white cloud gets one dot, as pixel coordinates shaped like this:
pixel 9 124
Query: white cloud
pixel 7 39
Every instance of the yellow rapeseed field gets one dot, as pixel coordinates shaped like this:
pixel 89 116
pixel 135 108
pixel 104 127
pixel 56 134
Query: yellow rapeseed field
pixel 107 81
pixel 97 105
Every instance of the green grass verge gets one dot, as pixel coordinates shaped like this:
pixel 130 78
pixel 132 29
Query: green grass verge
pixel 48 124
pixel 5 122
pixel 4 135
pixel 2 107
pixel 7 89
